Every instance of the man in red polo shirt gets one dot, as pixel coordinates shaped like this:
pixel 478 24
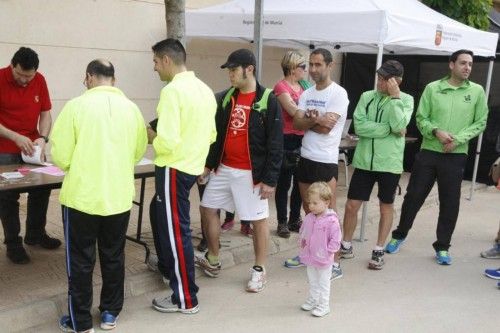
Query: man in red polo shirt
pixel 25 122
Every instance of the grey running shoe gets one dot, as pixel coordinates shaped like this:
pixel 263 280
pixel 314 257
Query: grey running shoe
pixel 346 253
pixel 283 231
pixel 165 304
pixel 493 253
pixel 377 260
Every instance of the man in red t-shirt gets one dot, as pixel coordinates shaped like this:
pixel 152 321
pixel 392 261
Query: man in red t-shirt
pixel 246 160
pixel 25 122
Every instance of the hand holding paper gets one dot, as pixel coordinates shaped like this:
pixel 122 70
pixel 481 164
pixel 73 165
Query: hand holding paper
pixel 37 158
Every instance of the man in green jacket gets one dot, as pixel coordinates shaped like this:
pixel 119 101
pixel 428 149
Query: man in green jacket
pixel 380 121
pixel 452 111
pixel 97 139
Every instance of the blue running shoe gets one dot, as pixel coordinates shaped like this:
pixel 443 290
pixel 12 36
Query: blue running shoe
pixel 493 273
pixel 66 326
pixel 394 245
pixel 108 320
pixel 293 262
pixel 443 258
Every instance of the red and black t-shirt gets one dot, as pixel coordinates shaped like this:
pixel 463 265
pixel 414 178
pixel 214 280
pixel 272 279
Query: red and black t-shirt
pixel 236 151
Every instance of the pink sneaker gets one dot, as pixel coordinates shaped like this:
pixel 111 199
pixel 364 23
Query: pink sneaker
pixel 246 229
pixel 227 225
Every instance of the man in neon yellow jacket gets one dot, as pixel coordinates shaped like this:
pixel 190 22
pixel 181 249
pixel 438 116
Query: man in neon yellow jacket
pixel 185 130
pixel 380 121
pixel 97 139
pixel 452 111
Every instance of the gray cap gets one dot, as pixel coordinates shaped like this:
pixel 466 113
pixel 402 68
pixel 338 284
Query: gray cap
pixel 391 68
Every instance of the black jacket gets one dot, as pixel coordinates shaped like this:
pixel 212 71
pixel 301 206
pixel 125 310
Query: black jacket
pixel 265 136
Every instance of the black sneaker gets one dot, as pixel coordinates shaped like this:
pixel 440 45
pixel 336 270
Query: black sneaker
pixel 18 255
pixel 45 241
pixel 377 260
pixel 295 225
pixel 283 231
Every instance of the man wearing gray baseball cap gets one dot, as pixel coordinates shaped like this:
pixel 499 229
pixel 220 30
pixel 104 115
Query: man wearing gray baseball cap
pixel 380 121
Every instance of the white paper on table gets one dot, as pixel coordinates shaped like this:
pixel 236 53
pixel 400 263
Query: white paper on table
pixel 36 158
pixel 144 161
pixel 12 175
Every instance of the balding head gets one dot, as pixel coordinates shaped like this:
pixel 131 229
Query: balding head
pixel 100 72
pixel 101 68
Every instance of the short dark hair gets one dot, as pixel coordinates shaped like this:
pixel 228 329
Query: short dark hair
pixel 26 58
pixel 454 55
pixel 327 55
pixel 173 48
pixel 101 67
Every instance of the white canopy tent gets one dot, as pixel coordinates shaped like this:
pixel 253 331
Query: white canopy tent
pixel 363 26
pixel 400 26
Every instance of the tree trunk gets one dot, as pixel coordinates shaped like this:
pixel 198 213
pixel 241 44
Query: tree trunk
pixel 175 18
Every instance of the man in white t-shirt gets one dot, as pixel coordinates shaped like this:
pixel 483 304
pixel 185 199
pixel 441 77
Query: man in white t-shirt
pixel 322 114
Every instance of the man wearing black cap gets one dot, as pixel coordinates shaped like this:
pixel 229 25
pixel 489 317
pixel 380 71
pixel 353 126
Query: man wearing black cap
pixel 380 121
pixel 247 159
pixel 451 111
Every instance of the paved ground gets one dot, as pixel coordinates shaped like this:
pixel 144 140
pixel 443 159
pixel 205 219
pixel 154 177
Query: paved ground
pixel 411 293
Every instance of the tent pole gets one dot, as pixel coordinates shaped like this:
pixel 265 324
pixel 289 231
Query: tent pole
pixel 364 214
pixel 480 138
pixel 380 54
pixel 257 35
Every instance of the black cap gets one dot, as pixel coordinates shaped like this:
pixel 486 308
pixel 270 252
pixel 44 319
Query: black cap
pixel 241 57
pixel 391 68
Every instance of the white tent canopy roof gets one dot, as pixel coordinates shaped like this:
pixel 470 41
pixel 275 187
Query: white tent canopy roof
pixel 402 26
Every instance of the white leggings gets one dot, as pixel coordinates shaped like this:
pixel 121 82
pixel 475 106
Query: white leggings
pixel 319 285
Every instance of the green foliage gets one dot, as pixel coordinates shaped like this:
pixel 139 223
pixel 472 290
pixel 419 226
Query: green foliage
pixel 471 12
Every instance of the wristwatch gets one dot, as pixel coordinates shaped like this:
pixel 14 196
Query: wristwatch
pixel 45 138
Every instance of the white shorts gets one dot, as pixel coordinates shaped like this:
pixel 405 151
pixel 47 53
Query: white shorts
pixel 232 190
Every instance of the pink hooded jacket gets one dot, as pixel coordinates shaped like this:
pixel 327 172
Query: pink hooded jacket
pixel 319 239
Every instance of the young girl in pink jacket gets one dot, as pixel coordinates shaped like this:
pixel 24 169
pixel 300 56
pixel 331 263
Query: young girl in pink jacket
pixel 319 240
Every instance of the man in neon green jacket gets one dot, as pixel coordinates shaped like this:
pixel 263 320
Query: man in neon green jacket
pixel 185 130
pixel 97 139
pixel 452 111
pixel 380 121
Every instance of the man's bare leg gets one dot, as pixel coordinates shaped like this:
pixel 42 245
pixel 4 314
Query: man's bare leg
pixel 385 224
pixel 211 226
pixel 260 239
pixel 350 218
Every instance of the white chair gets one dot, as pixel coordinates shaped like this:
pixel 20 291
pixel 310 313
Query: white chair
pixel 343 158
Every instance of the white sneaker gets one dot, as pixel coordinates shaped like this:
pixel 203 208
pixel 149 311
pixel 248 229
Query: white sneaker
pixel 257 281
pixel 320 311
pixel 309 304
